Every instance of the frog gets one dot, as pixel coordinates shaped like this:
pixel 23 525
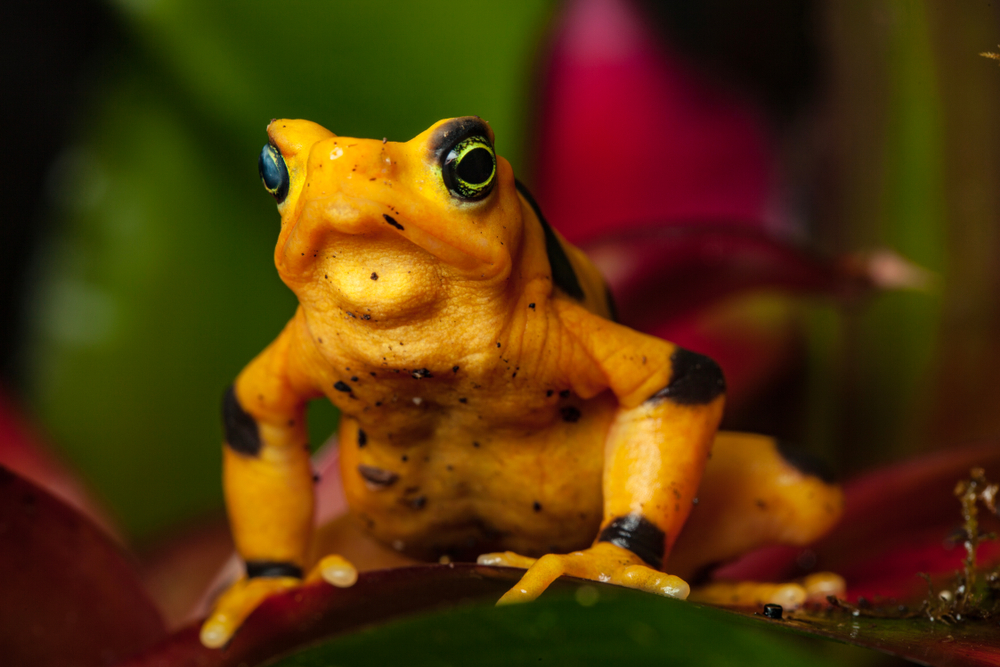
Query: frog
pixel 492 408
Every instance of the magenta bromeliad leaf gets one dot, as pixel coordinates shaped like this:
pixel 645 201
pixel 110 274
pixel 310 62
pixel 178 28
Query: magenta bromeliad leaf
pixel 704 263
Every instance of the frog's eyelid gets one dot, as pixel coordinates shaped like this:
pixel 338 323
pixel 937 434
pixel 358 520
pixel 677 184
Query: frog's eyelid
pixel 455 132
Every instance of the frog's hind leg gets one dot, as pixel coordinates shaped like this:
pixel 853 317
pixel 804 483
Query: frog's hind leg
pixel 757 492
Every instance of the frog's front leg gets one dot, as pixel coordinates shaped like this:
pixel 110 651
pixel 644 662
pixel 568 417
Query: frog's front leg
pixel 654 457
pixel 268 482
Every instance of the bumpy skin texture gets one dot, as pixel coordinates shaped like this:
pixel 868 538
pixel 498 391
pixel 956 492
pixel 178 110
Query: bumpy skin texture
pixel 488 403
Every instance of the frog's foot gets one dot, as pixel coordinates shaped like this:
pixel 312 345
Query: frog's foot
pixel 813 588
pixel 605 562
pixel 236 604
pixel 233 607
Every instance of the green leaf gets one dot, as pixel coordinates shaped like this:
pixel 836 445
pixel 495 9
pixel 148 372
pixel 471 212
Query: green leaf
pixel 595 625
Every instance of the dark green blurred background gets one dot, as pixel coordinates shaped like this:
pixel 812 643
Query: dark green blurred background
pixel 141 267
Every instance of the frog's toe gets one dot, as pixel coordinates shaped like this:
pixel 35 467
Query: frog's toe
pixel 750 594
pixel 814 588
pixel 653 581
pixel 821 585
pixel 506 559
pixel 233 607
pixel 541 573
pixel 334 570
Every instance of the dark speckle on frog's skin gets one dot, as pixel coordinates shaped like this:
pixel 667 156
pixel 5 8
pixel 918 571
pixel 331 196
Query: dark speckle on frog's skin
pixel 374 276
pixel 362 438
pixel 564 393
pixel 537 506
pixel 340 385
pixel 570 414
pixel 392 221
pixel 421 373
pixel 377 476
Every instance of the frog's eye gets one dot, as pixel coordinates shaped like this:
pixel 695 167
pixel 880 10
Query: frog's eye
pixel 273 172
pixel 470 168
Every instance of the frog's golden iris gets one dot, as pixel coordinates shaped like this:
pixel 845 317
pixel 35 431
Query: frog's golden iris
pixel 470 168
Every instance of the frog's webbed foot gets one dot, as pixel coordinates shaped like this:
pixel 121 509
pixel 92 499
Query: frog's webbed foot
pixel 813 588
pixel 604 561
pixel 233 607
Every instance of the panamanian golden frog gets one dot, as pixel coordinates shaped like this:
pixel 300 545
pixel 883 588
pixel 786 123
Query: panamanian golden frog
pixel 490 405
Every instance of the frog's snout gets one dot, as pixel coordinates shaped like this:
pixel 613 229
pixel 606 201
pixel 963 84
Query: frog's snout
pixel 346 183
pixel 352 164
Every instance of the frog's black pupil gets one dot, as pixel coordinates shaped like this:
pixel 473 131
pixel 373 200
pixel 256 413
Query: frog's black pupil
pixel 476 166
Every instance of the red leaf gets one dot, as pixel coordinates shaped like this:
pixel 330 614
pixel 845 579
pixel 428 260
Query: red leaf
pixel 318 610
pixel 69 595
pixel 660 273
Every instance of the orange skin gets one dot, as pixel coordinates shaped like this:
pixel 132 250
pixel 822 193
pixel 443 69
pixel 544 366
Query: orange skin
pixel 498 412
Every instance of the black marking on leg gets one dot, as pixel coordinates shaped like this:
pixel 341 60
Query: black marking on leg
pixel 340 385
pixel 392 221
pixel 804 462
pixel 378 476
pixel 570 414
pixel 639 535
pixel 268 568
pixel 242 434
pixel 563 274
pixel 362 438
pixel 694 380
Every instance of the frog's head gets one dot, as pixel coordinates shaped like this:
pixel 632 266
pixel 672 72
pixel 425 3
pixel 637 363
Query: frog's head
pixel 441 203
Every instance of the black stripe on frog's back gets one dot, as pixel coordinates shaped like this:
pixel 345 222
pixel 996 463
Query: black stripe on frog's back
pixel 612 306
pixel 563 274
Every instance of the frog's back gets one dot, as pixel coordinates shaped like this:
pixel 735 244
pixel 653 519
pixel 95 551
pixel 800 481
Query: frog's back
pixel 573 273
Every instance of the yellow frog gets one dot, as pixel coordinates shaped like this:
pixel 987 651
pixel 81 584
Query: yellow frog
pixel 490 405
